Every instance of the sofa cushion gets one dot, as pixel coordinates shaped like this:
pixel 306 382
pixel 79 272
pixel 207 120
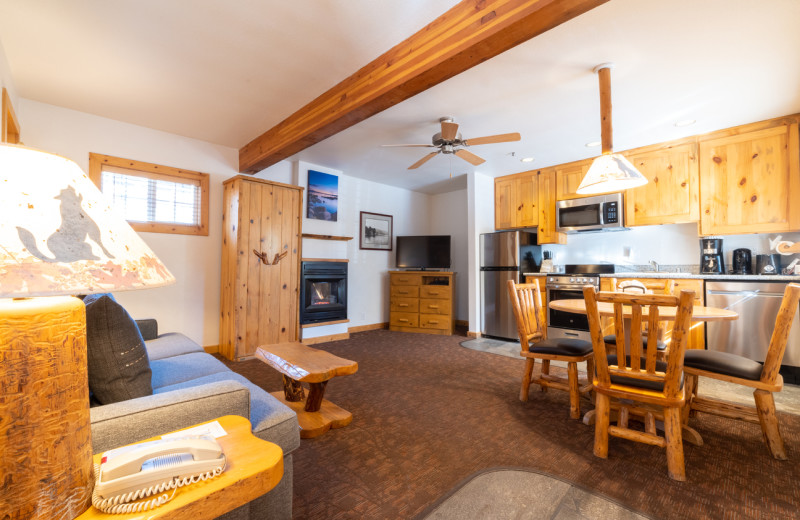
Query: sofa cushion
pixel 272 420
pixel 170 344
pixel 186 367
pixel 117 359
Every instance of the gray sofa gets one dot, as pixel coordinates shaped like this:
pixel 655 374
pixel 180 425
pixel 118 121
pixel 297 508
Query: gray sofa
pixel 189 387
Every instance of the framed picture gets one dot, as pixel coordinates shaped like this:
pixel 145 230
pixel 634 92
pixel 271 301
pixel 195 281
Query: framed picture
pixel 376 231
pixel 323 196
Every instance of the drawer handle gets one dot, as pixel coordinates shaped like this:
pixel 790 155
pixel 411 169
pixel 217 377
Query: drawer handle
pixel 433 322
pixel 402 319
pixel 402 292
pixel 403 305
pixel 433 306
pixel 403 279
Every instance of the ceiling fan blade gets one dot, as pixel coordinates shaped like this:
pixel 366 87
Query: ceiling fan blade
pixel 449 130
pixel 491 139
pixel 469 157
pixel 422 161
pixel 414 145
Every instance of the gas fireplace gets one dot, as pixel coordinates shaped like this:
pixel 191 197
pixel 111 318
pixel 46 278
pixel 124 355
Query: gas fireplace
pixel 323 292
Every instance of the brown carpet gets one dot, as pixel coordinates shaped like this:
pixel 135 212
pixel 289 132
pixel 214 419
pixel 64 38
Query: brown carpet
pixel 428 413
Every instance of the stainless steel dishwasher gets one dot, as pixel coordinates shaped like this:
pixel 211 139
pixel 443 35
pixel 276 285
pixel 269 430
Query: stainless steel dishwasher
pixel 757 304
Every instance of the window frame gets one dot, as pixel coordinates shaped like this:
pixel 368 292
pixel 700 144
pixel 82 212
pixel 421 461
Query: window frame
pixel 156 172
pixel 10 124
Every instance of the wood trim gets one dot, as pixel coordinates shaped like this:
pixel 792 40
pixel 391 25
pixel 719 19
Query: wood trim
pixel 326 237
pixel 325 339
pixel 324 260
pixel 473 334
pixel 263 181
pixel 310 325
pixel 156 171
pixel 751 127
pixel 466 35
pixel 211 349
pixel 10 128
pixel 363 328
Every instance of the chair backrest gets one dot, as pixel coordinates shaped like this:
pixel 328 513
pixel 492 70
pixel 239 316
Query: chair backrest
pixel 526 300
pixel 780 335
pixel 631 306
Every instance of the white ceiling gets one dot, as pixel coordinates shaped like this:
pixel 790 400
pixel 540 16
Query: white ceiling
pixel 225 72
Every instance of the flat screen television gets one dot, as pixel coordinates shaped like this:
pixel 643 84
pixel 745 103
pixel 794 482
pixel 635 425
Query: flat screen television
pixel 423 252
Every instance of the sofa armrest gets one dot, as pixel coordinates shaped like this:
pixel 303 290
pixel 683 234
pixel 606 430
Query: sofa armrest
pixel 125 422
pixel 148 328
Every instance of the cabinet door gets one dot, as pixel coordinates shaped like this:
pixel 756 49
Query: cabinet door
pixel 504 210
pixel 750 182
pixel 547 209
pixel 526 200
pixel 672 194
pixel 569 177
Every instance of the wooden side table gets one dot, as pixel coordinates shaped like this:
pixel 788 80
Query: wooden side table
pixel 253 467
pixel 302 364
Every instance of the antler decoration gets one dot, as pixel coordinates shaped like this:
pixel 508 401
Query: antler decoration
pixel 264 257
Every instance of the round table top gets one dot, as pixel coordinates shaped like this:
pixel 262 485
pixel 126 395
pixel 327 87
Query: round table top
pixel 699 312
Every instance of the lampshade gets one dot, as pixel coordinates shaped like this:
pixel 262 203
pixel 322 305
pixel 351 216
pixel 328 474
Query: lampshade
pixel 59 236
pixel 610 172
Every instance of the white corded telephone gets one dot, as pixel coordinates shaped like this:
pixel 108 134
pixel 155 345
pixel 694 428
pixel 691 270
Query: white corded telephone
pixel 139 471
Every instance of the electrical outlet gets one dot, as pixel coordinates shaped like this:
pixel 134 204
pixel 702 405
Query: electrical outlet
pixel 626 251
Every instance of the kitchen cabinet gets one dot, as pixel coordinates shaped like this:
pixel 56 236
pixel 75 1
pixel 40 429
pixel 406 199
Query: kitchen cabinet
pixel 516 201
pixel 750 179
pixel 569 177
pixel 672 193
pixel 547 209
pixel 697 332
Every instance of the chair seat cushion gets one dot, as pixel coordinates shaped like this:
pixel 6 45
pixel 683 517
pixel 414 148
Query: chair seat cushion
pixel 562 347
pixel 723 363
pixel 658 386
pixel 612 340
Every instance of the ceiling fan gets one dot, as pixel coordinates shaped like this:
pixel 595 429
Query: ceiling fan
pixel 449 141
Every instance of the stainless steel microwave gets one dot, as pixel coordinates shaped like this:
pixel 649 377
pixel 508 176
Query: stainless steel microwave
pixel 599 213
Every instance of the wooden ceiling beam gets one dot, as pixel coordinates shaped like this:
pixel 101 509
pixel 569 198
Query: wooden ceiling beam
pixel 470 33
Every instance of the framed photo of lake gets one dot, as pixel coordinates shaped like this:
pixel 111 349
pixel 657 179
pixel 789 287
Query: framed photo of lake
pixel 376 231
pixel 323 196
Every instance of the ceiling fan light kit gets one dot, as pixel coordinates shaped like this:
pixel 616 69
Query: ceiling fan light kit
pixel 610 171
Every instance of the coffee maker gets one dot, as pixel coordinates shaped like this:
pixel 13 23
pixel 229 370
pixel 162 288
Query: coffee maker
pixel 711 260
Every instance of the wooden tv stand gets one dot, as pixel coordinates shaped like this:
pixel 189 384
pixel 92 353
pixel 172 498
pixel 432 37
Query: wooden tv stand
pixel 422 301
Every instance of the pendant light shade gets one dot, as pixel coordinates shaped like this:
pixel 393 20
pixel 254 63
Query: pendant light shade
pixel 610 171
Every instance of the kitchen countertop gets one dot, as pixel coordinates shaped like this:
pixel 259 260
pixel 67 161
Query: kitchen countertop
pixel 712 277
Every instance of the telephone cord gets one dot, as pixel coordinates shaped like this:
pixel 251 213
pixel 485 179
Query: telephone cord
pixel 124 503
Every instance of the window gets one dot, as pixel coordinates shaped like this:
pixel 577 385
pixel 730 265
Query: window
pixel 154 198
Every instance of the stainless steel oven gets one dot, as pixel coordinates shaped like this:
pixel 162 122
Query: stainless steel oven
pixel 569 286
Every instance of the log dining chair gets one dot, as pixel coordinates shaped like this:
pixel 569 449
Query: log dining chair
pixel 639 383
pixel 765 380
pixel 526 300
pixel 648 287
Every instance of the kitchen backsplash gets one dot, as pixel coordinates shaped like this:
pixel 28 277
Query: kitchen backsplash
pixel 675 246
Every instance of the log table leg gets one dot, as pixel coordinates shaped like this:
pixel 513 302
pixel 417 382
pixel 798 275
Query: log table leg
pixel 315 393
pixel 293 390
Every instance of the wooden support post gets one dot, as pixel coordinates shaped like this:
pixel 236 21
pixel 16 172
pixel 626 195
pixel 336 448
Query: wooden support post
pixel 293 390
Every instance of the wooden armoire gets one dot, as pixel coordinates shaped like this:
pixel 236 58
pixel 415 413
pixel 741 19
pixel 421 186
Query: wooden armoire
pixel 261 249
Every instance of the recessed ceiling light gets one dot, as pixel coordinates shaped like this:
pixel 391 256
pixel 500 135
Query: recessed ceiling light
pixel 527 159
pixel 686 122
pixel 593 144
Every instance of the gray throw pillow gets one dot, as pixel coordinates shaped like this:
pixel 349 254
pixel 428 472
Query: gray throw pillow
pixel 118 365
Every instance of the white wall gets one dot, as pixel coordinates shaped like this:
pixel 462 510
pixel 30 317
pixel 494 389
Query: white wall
pixel 449 217
pixel 480 202
pixel 191 305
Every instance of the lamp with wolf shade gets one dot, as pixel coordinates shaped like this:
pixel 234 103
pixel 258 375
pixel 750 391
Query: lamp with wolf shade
pixel 58 237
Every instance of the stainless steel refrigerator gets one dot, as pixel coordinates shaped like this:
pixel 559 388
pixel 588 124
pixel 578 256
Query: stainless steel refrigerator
pixel 505 255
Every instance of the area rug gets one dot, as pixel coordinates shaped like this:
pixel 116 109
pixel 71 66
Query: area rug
pixel 524 494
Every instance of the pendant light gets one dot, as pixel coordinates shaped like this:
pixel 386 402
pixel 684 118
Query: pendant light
pixel 610 171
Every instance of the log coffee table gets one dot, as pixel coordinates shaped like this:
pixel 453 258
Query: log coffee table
pixel 302 364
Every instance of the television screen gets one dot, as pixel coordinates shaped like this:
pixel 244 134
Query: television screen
pixel 424 252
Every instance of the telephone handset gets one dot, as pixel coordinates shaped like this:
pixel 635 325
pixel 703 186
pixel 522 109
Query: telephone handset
pixel 139 471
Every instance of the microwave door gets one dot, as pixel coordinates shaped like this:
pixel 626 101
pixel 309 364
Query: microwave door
pixel 588 216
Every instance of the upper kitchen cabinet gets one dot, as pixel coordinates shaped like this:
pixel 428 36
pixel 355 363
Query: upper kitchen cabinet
pixel 516 200
pixel 547 209
pixel 569 177
pixel 750 179
pixel 672 193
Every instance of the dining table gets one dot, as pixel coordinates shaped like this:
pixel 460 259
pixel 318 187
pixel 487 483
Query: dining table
pixel 606 309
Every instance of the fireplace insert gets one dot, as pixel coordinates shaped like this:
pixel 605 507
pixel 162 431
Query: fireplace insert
pixel 323 292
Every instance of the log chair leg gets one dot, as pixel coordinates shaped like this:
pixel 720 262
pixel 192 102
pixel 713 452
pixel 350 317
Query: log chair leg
pixel 526 379
pixel 622 417
pixel 574 393
pixel 590 377
pixel 690 389
pixel 315 393
pixel 765 406
pixel 292 390
pixel 545 371
pixel 672 434
pixel 602 406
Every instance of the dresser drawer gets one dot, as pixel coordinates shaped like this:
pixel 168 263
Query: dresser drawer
pixel 408 291
pixel 405 279
pixel 404 319
pixel 405 304
pixel 434 321
pixel 434 291
pixel 432 306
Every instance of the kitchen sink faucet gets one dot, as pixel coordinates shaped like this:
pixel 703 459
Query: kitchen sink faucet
pixel 654 265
